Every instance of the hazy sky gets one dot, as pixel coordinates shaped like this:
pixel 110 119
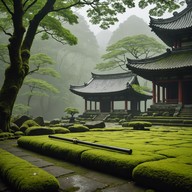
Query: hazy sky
pixel 142 13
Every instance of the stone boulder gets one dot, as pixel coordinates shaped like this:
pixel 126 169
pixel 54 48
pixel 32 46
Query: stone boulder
pixel 95 124
pixel 40 121
pixel 55 121
pixel 21 120
pixel 14 127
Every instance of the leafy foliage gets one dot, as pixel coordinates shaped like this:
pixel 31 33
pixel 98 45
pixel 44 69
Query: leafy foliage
pixel 138 47
pixel 71 111
pixel 20 109
pixel 140 89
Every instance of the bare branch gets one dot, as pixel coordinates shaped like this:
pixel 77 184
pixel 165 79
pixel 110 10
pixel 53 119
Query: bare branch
pixel 3 59
pixel 33 71
pixel 6 33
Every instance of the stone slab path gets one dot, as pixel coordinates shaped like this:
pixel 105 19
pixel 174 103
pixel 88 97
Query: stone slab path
pixel 71 178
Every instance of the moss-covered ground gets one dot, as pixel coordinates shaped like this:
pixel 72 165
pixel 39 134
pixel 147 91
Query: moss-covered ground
pixel 161 157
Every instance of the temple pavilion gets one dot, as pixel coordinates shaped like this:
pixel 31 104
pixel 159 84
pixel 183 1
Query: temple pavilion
pixel 171 72
pixel 103 90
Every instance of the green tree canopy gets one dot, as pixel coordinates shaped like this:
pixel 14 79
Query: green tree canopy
pixel 137 47
pixel 21 20
pixel 71 111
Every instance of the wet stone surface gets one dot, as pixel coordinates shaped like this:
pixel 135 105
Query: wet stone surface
pixel 80 184
pixel 58 171
pixel 128 187
pixel 37 162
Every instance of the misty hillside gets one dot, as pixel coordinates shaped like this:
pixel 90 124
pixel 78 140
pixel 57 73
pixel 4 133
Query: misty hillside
pixel 103 38
pixel 132 26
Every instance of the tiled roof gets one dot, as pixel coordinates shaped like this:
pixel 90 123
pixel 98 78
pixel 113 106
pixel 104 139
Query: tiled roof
pixel 114 86
pixel 108 83
pixel 180 20
pixel 176 60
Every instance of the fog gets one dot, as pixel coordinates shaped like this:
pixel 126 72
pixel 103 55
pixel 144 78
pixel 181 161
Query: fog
pixel 75 63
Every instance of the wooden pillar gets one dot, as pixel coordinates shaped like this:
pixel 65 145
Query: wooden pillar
pixel 90 106
pixel 154 93
pixel 145 105
pixel 138 106
pixel 180 96
pixel 95 105
pixel 163 95
pixel 85 105
pixel 126 105
pixel 112 106
pixel 158 93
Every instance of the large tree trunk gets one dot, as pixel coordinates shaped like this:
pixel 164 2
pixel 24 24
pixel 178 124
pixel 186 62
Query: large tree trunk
pixel 16 72
pixel 8 94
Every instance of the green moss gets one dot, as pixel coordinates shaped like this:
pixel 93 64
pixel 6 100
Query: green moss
pixel 55 148
pixel 27 124
pixel 39 131
pixel 148 146
pixel 78 128
pixel 23 176
pixel 6 135
pixel 177 151
pixel 18 133
pixel 116 163
pixel 60 130
pixel 165 175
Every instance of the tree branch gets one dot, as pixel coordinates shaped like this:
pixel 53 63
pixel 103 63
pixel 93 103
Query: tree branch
pixel 6 33
pixel 33 71
pixel 74 4
pixel 6 6
pixel 52 35
pixel 34 23
pixel 29 6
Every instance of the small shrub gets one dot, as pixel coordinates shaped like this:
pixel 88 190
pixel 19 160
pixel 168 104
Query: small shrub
pixel 39 131
pixel 78 128
pixel 27 124
pixel 139 125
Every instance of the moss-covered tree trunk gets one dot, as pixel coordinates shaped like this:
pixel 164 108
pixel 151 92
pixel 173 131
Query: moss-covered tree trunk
pixel 16 72
pixel 12 84
pixel 19 54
